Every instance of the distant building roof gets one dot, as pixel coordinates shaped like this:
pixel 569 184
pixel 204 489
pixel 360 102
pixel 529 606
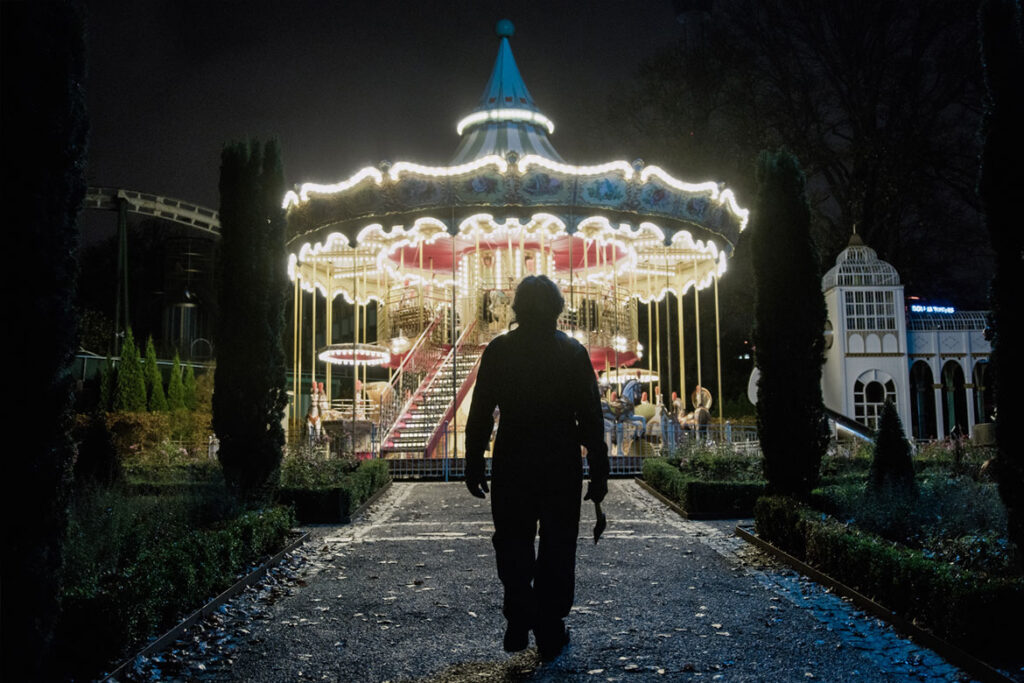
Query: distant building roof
pixel 859 266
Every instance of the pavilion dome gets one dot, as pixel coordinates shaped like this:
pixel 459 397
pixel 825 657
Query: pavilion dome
pixel 859 266
pixel 506 118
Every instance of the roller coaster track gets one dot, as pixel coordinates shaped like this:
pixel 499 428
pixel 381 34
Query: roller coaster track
pixel 166 208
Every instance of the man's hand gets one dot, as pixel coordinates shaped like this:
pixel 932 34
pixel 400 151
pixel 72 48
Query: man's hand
pixel 597 489
pixel 476 479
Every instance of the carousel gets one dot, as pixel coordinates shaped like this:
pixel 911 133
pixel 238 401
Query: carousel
pixel 428 259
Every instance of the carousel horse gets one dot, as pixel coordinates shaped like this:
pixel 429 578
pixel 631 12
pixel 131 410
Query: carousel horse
pixel 314 423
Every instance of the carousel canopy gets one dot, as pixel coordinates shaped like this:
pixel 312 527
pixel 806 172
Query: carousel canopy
pixel 508 192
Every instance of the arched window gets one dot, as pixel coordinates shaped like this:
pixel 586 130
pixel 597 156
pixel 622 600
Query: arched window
pixel 954 395
pixel 870 392
pixel 984 399
pixel 922 401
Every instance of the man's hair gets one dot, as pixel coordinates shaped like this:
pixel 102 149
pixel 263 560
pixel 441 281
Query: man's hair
pixel 538 302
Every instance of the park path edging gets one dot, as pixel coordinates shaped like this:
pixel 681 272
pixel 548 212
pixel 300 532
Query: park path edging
pixel 951 653
pixel 249 579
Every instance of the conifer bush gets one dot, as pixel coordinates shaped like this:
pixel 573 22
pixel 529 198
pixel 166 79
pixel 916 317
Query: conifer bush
pixel 892 467
pixel 130 396
pixel 156 402
pixel 175 387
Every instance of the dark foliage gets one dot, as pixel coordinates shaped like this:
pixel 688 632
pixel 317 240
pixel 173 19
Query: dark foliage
pixel 44 141
pixel 249 395
pixel 97 462
pixel 892 467
pixel 789 316
pixel 1003 57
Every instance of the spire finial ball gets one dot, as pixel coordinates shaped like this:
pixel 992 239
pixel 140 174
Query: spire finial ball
pixel 505 29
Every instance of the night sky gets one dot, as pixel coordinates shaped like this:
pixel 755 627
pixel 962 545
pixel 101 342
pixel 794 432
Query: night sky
pixel 343 85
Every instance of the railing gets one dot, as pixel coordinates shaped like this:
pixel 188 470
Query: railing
pixel 449 413
pixel 422 357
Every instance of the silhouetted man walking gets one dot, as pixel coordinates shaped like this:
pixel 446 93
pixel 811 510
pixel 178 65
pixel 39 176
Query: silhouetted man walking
pixel 545 389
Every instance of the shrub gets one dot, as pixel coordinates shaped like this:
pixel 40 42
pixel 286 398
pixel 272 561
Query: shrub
pixel 331 497
pixel 97 461
pixel 136 564
pixel 699 497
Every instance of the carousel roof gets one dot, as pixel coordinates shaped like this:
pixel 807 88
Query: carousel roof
pixel 507 119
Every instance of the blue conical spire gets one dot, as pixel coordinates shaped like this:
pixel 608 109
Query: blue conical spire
pixel 506 89
pixel 506 119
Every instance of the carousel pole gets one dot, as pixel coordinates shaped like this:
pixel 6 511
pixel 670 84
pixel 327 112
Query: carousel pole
pixel 682 345
pixel 657 346
pixel 718 350
pixel 668 329
pixel 696 310
pixel 355 342
pixel 420 312
pixel 650 337
pixel 329 331
pixel 312 365
pixel 615 311
pixel 295 351
pixel 298 346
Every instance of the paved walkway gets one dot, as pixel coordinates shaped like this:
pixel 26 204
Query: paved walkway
pixel 409 593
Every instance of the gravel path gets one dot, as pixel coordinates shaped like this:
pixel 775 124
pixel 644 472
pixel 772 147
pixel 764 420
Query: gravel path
pixel 409 592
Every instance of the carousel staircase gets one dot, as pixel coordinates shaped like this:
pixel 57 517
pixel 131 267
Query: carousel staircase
pixel 413 431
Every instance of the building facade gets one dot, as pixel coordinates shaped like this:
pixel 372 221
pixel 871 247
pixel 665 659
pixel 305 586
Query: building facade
pixel 931 361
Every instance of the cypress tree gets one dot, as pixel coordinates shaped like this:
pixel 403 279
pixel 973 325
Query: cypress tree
pixel 189 386
pixel 175 387
pixel 156 402
pixel 1002 48
pixel 130 396
pixel 249 384
pixel 892 467
pixel 789 323
pixel 44 137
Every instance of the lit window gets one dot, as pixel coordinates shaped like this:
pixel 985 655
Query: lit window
pixel 870 310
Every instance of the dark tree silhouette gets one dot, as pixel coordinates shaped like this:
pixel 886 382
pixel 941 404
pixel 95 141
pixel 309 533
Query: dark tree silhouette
pixel 44 141
pixel 249 384
pixel 789 319
pixel 1003 56
pixel 878 99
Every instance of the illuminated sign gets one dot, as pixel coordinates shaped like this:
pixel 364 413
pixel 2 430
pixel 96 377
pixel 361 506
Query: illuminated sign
pixel 918 308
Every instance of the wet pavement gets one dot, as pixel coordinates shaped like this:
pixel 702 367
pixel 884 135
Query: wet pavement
pixel 409 592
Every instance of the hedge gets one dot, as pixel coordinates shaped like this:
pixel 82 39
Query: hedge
pixel 970 609
pixel 702 498
pixel 158 581
pixel 335 504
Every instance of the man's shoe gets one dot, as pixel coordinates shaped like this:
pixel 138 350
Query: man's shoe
pixel 551 643
pixel 517 638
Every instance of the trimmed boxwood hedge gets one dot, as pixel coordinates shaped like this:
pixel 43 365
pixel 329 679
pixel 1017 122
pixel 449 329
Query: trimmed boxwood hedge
pixel 158 582
pixel 702 498
pixel 972 610
pixel 337 503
